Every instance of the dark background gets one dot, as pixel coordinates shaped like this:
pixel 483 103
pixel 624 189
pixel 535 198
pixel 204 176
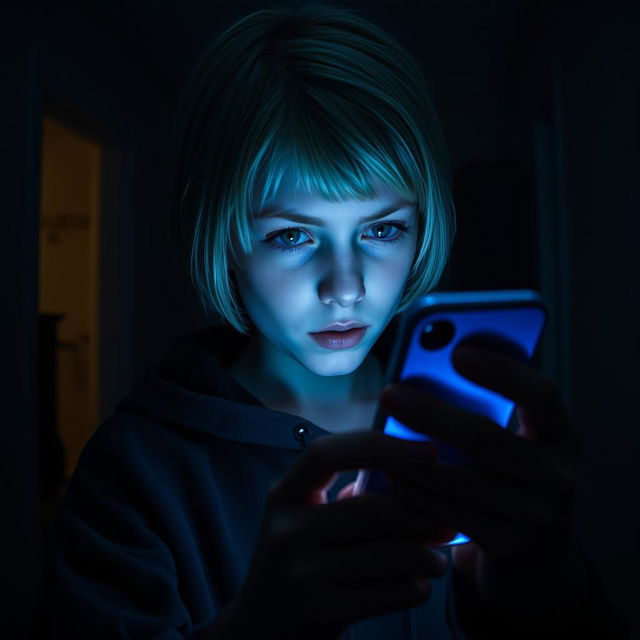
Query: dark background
pixel 540 106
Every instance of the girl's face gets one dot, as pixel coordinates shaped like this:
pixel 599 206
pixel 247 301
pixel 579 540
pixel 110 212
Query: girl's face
pixel 315 262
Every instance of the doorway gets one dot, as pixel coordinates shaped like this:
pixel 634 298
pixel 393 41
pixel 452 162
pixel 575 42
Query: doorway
pixel 68 303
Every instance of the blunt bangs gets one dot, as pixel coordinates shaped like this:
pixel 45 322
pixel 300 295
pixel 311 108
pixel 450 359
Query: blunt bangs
pixel 320 95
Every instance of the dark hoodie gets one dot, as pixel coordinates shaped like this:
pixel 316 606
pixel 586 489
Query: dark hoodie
pixel 156 531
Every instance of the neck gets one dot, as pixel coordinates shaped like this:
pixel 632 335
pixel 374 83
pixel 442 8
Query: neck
pixel 276 379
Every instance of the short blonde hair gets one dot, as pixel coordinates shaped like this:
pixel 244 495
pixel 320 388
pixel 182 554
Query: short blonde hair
pixel 323 93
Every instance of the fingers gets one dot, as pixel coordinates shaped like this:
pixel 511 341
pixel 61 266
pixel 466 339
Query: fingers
pixel 362 518
pixel 346 604
pixel 523 384
pixel 313 473
pixel 367 580
pixel 495 535
pixel 378 560
pixel 492 448
pixel 471 489
pixel 498 518
pixel 323 586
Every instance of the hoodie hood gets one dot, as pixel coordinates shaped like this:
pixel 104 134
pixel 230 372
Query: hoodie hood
pixel 191 388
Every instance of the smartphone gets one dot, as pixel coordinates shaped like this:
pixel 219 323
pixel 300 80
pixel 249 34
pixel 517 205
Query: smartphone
pixel 429 331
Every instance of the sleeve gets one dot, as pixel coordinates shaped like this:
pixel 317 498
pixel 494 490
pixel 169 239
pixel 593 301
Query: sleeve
pixel 107 573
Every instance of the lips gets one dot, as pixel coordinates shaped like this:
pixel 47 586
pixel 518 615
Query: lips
pixel 341 326
pixel 335 340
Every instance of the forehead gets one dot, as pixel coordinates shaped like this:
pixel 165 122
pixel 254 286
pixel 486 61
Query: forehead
pixel 288 197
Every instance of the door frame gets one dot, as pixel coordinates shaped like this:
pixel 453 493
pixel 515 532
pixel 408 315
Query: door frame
pixel 35 80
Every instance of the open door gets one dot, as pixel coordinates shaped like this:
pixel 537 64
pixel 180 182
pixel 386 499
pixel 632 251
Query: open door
pixel 68 300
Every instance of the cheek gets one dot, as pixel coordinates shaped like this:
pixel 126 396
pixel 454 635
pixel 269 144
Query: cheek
pixel 392 272
pixel 388 277
pixel 264 284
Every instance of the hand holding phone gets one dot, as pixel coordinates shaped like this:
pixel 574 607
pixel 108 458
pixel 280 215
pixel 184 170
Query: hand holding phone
pixel 511 494
pixel 318 566
pixel 429 332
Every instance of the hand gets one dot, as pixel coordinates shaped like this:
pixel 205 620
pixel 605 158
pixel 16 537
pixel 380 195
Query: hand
pixel 320 566
pixel 516 500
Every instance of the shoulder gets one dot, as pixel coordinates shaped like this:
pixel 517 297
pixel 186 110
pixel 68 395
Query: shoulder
pixel 132 457
pixel 127 435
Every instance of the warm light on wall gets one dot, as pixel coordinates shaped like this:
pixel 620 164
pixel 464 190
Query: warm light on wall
pixel 68 277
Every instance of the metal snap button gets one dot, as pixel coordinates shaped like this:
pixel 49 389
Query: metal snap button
pixel 300 432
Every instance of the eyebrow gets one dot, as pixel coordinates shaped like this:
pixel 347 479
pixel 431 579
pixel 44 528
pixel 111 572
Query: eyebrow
pixel 289 214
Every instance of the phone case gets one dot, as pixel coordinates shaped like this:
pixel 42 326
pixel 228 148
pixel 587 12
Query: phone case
pixel 428 333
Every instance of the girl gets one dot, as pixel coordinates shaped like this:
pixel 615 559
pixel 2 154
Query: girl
pixel 312 178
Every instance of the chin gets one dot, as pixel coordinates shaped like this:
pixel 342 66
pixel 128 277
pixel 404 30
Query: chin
pixel 337 363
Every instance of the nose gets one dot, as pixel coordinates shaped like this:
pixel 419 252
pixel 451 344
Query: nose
pixel 343 285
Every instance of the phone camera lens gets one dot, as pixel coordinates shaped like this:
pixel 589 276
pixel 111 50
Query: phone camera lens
pixel 437 335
